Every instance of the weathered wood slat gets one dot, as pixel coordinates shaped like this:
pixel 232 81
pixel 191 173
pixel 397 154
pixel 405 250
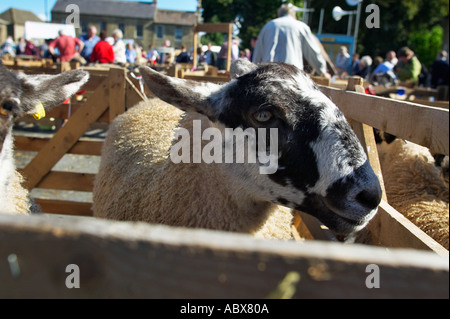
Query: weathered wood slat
pixel 389 228
pixel 136 260
pixel 53 206
pixel 35 144
pixel 212 27
pixel 424 125
pixel 207 78
pixel 132 95
pixel 83 182
pixel 116 92
pixel 314 228
pixel 366 136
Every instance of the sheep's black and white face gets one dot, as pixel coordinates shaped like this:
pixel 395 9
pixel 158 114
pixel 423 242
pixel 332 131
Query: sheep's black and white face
pixel 322 169
pixel 29 94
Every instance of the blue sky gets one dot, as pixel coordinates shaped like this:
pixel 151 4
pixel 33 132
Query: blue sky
pixel 38 6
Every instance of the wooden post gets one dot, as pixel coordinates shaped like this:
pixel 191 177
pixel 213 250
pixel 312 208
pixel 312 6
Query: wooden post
pixel 116 92
pixel 214 27
pixel 194 57
pixel 365 134
pixel 230 43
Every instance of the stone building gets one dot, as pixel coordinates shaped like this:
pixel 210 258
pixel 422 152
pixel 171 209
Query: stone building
pixel 12 22
pixel 141 21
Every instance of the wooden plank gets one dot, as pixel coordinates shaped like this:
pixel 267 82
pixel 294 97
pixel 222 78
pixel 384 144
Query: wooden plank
pixel 366 136
pixel 95 79
pixel 367 140
pixel 424 125
pixel 66 137
pixel 35 144
pixel 51 206
pixel 321 80
pixel 62 111
pixel 132 94
pixel 116 92
pixel 213 27
pixel 315 228
pixel 70 181
pixel 194 55
pixel 301 228
pixel 230 44
pixel 207 78
pixel 138 260
pixel 441 104
pixel 389 228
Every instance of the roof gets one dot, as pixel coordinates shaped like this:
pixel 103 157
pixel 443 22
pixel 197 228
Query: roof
pixel 176 17
pixel 125 9
pixel 17 16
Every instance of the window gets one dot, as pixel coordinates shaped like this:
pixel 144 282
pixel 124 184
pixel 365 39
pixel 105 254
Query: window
pixel 159 32
pixel 102 26
pixel 121 27
pixel 178 34
pixel 84 26
pixel 139 31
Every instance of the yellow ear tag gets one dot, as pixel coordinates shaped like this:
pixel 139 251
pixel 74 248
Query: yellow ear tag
pixel 3 112
pixel 40 112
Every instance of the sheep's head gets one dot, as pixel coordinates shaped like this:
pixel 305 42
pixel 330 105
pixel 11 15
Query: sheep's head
pixel 321 166
pixel 22 94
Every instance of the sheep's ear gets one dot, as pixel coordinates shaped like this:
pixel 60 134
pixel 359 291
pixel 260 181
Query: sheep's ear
pixel 187 95
pixel 240 67
pixel 48 91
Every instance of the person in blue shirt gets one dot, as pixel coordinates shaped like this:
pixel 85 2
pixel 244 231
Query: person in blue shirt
pixel 384 72
pixel 130 53
pixel 89 39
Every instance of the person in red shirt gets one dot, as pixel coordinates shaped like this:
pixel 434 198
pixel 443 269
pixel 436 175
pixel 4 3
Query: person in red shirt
pixel 103 51
pixel 68 47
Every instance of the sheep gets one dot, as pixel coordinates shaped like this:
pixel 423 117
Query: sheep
pixel 320 168
pixel 414 186
pixel 22 94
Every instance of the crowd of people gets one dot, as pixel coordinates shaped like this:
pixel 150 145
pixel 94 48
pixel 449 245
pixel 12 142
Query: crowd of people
pixel 284 39
pixel 402 67
pixel 87 49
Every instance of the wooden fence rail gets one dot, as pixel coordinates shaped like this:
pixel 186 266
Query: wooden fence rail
pixel 138 260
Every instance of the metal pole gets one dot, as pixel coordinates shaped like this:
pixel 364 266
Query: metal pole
pixel 358 14
pixel 349 26
pixel 322 11
pixel 305 13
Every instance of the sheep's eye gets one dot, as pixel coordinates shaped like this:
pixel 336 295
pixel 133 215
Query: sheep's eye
pixel 6 107
pixel 262 116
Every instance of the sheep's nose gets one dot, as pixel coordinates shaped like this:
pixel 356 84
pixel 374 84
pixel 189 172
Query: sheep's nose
pixel 356 194
pixel 370 197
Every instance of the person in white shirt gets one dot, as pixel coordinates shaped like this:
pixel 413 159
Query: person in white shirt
pixel 285 39
pixel 119 48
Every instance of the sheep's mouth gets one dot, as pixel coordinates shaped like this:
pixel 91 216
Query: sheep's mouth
pixel 340 225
